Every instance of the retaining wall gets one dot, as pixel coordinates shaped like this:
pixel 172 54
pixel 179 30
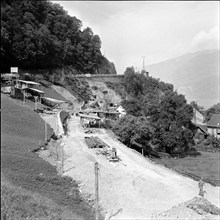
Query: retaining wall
pixel 101 78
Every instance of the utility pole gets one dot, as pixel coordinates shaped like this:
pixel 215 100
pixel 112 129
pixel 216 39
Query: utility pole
pixel 143 62
pixel 196 127
pixel 24 97
pixel 96 191
pixel 35 97
pixel 62 159
pixel 45 131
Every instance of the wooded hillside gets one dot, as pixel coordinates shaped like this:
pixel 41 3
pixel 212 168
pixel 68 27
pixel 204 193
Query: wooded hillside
pixel 41 35
pixel 156 115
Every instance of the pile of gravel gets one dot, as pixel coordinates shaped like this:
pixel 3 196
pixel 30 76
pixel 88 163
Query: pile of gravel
pixel 197 209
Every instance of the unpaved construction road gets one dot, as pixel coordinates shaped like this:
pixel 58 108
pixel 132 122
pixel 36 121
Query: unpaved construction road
pixel 134 188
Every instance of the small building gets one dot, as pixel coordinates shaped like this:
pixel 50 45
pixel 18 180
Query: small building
pixel 213 125
pixel 35 93
pixel 9 76
pixel 26 89
pixel 23 84
pixel 202 131
pixel 198 118
pixel 7 81
pixel 87 120
pixel 121 110
pixel 113 115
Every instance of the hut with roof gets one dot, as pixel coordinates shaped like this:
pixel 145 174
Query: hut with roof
pixel 213 125
pixel 8 81
pixel 27 89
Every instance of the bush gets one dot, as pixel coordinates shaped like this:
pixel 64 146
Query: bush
pixel 108 124
pixel 80 87
pixel 131 128
pixel 118 88
pixel 213 141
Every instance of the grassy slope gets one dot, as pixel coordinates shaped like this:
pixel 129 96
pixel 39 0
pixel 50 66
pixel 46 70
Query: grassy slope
pixel 21 130
pixel 51 93
pixel 206 165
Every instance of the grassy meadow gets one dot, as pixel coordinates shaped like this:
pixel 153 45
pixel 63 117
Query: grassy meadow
pixel 206 165
pixel 31 187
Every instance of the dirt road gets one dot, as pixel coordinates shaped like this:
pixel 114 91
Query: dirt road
pixel 134 188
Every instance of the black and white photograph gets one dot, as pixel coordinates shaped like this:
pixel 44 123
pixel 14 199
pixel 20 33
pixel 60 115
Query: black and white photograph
pixel 110 110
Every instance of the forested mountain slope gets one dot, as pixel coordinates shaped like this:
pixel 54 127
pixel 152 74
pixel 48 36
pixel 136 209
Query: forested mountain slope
pixel 41 35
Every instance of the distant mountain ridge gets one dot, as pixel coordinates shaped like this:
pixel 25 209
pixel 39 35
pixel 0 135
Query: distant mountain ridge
pixel 195 75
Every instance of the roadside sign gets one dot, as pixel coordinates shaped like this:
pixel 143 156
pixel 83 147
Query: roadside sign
pixel 14 69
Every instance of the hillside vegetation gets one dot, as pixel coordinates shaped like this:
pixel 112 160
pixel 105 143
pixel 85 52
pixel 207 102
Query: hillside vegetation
pixel 157 116
pixel 41 35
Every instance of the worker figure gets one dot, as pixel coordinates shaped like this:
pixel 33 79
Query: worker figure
pixel 201 185
pixel 114 153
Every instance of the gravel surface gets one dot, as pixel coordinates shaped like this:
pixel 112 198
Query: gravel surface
pixel 133 188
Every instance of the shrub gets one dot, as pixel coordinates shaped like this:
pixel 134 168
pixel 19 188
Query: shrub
pixel 80 87
pixel 212 140
pixel 108 124
pixel 118 88
pixel 131 128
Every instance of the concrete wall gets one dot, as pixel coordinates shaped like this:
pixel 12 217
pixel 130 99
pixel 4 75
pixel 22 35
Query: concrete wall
pixel 101 78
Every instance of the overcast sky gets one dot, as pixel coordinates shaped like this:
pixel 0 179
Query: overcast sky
pixel 156 30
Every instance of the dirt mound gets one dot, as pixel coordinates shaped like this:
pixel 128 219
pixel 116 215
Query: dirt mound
pixel 196 208
pixel 202 206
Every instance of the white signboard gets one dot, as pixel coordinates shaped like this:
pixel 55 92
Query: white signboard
pixel 14 69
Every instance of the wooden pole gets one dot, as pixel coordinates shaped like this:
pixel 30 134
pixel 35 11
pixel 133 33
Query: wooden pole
pixel 24 97
pixel 45 131
pixel 35 97
pixel 142 151
pixel 96 191
pixel 62 159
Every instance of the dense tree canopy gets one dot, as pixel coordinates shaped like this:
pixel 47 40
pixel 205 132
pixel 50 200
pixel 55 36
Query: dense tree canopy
pixel 40 34
pixel 166 111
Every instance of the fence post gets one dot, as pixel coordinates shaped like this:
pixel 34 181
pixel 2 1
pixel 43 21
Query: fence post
pixel 96 191
pixel 45 131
